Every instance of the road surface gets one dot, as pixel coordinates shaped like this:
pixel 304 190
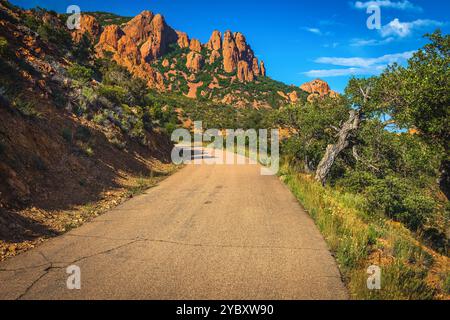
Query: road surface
pixel 207 232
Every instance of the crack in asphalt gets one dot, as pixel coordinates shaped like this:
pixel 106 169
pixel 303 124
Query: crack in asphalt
pixel 53 265
pixel 56 265
pixel 202 244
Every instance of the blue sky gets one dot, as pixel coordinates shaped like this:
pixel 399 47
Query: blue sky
pixel 298 40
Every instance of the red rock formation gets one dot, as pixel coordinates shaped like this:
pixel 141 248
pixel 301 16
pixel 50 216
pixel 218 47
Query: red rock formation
pixel 147 37
pixel 194 61
pixel 293 96
pixel 195 45
pixel 230 53
pixel 109 39
pixel 245 52
pixel 215 42
pixel 255 67
pixel 244 72
pixel 263 69
pixel 128 54
pixel 183 40
pixel 215 55
pixel 88 25
pixel 140 27
pixel 158 40
pixel 319 87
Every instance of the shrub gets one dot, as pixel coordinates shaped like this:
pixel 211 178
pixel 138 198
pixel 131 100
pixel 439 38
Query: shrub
pixel 3 46
pixel 80 73
pixel 83 134
pixel 57 36
pixel 25 108
pixel 400 201
pixel 67 134
pixel 113 93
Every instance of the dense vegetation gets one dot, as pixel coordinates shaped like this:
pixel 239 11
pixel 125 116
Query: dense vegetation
pixel 396 169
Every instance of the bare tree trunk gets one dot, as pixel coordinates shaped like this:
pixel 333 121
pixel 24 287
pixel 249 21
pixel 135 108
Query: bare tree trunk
pixel 333 150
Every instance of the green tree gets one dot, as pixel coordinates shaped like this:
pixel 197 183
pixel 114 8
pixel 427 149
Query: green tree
pixel 418 97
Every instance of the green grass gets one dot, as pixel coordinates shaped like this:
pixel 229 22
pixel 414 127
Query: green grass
pixel 359 239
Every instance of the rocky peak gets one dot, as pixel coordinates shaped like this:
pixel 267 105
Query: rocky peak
pixel 139 27
pixel 183 39
pixel 147 37
pixel 245 52
pixel 215 42
pixel 318 87
pixel 159 38
pixel 230 52
pixel 263 69
pixel 195 45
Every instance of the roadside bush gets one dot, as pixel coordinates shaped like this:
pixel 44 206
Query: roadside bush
pixel 400 201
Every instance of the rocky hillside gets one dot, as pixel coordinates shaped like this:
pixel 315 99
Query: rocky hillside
pixel 73 131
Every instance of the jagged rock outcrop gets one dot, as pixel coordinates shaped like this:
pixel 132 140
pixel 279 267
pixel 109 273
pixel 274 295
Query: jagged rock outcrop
pixel 318 87
pixel 230 53
pixel 89 26
pixel 293 96
pixel 128 54
pixel 109 39
pixel 147 37
pixel 255 67
pixel 158 40
pixel 215 42
pixel 140 27
pixel 195 45
pixel 194 61
pixel 245 52
pixel 183 40
pixel 144 39
pixel 238 55
pixel 263 69
pixel 244 73
pixel 215 55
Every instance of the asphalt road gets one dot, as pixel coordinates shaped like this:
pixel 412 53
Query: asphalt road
pixel 207 232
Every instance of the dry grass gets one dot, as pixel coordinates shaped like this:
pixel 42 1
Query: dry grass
pixel 358 239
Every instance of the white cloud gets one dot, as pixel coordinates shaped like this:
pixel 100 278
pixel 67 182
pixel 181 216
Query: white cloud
pixel 370 42
pixel 403 29
pixel 399 5
pixel 344 72
pixel 357 65
pixel 313 30
pixel 331 45
pixel 365 62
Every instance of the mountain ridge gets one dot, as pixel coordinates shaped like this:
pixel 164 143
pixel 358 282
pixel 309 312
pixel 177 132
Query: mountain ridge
pixel 169 60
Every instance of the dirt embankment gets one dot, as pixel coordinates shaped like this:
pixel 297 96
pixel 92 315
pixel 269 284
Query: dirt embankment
pixel 57 171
